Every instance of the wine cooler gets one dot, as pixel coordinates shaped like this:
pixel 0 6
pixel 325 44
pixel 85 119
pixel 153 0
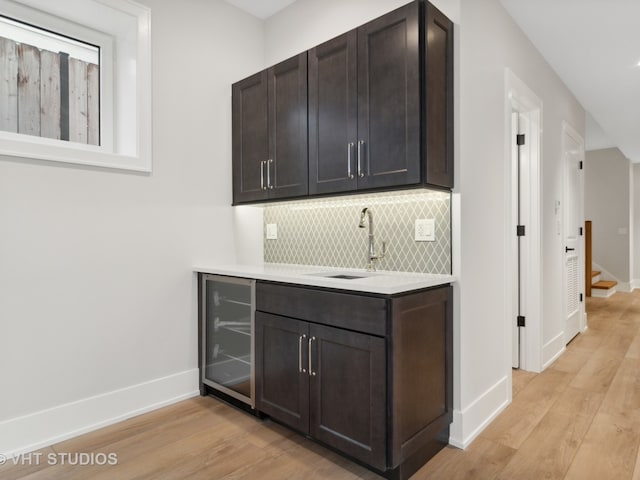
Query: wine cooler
pixel 227 350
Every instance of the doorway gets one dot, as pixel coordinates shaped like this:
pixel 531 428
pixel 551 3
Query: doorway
pixel 523 234
pixel 573 215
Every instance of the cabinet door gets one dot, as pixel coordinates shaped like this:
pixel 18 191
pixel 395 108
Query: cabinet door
pixel 287 169
pixel 348 393
pixel 333 115
pixel 282 381
pixel 250 138
pixel 389 99
pixel 439 98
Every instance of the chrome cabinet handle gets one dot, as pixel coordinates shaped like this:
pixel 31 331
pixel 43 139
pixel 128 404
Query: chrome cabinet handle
pixel 349 148
pixel 269 163
pixel 262 175
pixel 300 338
pixel 311 372
pixel 360 145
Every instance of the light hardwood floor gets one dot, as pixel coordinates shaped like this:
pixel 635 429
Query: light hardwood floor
pixel 578 420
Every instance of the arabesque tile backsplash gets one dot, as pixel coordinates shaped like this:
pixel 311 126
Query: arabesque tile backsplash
pixel 325 231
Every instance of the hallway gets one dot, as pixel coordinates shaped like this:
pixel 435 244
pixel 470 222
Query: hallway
pixel 578 420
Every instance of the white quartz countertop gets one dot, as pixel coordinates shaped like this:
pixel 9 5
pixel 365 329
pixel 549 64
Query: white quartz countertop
pixel 383 282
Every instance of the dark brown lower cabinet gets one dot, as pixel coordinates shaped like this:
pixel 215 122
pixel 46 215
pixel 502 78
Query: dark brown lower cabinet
pixel 381 395
pixel 324 381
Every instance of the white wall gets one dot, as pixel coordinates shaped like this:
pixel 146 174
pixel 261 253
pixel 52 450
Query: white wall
pixel 489 42
pixel 96 288
pixel 608 201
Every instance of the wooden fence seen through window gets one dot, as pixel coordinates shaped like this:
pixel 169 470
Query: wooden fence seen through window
pixel 48 94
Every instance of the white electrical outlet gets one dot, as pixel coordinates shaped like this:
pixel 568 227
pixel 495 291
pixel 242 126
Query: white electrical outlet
pixel 272 231
pixel 425 230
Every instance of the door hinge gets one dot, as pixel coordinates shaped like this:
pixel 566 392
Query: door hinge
pixel 580 164
pixel 580 231
pixel 520 230
pixel 520 139
pixel 521 321
pixel 581 298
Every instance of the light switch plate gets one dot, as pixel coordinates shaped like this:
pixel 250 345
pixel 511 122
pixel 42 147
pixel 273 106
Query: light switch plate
pixel 425 230
pixel 272 231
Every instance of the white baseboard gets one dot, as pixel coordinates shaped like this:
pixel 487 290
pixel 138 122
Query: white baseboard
pixel 624 287
pixel 552 350
pixel 468 423
pixel 40 429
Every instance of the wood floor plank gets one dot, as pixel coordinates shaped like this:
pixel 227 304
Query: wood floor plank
pixel 520 379
pixel 608 451
pixel 483 459
pixel 636 470
pixel 547 453
pixel 549 450
pixel 130 448
pixel 203 455
pixel 597 374
pixel 514 425
pixel 634 348
pixel 589 340
pixel 623 396
pixel 575 401
pixel 24 465
pixel 619 339
pixel 572 360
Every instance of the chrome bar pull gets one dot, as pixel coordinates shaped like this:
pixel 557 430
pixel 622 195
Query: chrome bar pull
pixel 349 148
pixel 269 163
pixel 360 147
pixel 311 372
pixel 262 175
pixel 300 368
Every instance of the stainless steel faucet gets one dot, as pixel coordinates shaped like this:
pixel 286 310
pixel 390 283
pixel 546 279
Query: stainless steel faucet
pixel 373 256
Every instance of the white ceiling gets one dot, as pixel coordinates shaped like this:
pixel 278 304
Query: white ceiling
pixel 594 46
pixel 261 8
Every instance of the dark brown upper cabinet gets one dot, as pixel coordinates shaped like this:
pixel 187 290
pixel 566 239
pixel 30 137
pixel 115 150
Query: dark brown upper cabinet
pixel 380 113
pixel 388 148
pixel 381 103
pixel 438 99
pixel 269 125
pixel 333 115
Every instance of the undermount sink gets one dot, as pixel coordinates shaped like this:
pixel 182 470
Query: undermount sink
pixel 343 276
pixel 346 277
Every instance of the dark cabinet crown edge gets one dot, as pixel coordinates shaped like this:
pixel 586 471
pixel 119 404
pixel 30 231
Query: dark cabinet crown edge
pixel 428 180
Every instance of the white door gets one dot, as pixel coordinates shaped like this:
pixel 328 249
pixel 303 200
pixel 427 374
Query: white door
pixel 573 147
pixel 520 132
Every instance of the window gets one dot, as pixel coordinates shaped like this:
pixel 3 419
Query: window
pixel 51 84
pixel 75 82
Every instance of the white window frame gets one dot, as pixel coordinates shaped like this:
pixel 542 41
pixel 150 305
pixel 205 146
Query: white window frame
pixel 122 30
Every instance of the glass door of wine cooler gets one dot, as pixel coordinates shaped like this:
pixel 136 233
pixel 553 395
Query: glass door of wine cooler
pixel 227 336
